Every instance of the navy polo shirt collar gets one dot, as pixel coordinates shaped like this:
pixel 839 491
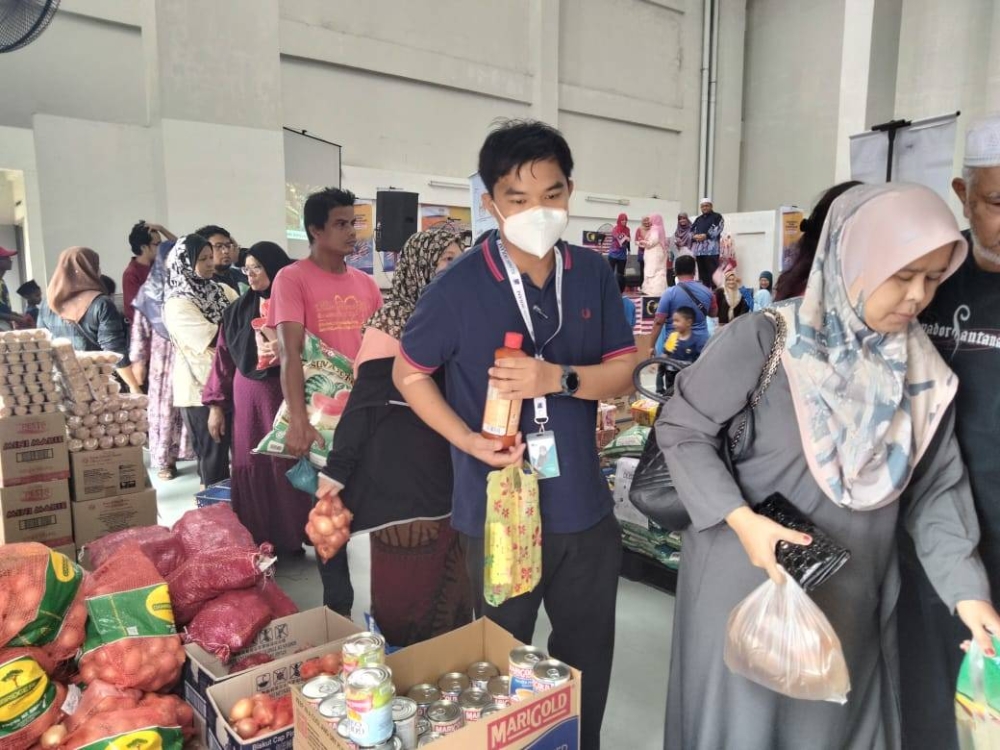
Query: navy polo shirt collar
pixel 491 254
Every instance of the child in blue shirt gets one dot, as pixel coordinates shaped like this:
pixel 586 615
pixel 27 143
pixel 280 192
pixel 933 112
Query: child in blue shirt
pixel 684 343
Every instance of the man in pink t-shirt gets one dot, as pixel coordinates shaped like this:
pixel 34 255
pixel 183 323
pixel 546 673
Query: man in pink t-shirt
pixel 324 296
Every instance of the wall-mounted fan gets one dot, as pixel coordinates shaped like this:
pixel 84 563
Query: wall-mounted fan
pixel 22 21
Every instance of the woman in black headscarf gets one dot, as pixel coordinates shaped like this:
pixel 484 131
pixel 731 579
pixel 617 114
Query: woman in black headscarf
pixel 246 382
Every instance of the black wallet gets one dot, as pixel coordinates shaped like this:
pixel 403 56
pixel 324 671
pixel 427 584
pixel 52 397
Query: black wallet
pixel 810 565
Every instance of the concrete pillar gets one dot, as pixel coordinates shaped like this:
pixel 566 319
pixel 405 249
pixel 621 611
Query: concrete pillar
pixel 214 82
pixel 729 104
pixel 855 67
pixel 544 41
pixel 993 66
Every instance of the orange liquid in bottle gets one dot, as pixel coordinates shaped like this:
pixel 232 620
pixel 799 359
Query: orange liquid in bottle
pixel 502 417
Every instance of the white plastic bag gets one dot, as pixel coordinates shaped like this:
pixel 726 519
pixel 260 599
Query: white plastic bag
pixel 779 638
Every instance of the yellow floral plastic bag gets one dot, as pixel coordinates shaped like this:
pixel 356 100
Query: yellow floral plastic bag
pixel 513 536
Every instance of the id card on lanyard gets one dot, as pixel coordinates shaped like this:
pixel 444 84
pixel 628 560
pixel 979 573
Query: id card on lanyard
pixel 542 453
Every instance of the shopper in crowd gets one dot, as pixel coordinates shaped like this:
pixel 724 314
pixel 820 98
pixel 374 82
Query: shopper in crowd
pixel 419 584
pixel 730 300
pixel 641 234
pixel 8 318
pixel 680 241
pixel 764 296
pixel 684 343
pixel 152 355
pixel 655 280
pixel 705 235
pixel 144 239
pixel 962 323
pixel 192 314
pixel 240 393
pixel 688 292
pixel 884 252
pixel 566 303
pixel 323 296
pixel 77 307
pixel 792 281
pixel 224 251
pixel 31 293
pixel 621 244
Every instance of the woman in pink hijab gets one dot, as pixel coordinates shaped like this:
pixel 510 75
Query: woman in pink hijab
pixel 654 245
pixel 857 432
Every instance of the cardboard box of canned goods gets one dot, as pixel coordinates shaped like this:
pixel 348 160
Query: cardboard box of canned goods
pixel 96 518
pixel 275 678
pixel 33 449
pixel 36 512
pixel 544 721
pixel 108 473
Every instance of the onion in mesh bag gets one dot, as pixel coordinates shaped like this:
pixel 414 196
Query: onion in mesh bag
pixel 206 575
pixel 230 622
pixel 41 599
pixel 211 528
pixel 30 700
pixel 131 638
pixel 161 545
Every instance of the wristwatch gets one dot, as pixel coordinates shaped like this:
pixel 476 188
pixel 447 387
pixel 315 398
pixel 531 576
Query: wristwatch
pixel 570 381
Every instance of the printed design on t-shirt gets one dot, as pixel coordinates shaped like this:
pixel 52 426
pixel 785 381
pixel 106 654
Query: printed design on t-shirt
pixel 340 313
pixel 954 338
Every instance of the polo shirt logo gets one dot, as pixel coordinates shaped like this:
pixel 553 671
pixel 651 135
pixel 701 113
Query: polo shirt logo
pixel 585 313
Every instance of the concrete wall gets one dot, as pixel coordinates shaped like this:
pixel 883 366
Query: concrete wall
pixel 790 100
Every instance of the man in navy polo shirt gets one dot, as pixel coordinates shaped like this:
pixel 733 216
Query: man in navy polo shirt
pixel 585 352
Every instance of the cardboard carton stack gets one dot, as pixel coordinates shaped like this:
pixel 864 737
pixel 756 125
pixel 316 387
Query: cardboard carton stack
pixel 34 463
pixel 105 431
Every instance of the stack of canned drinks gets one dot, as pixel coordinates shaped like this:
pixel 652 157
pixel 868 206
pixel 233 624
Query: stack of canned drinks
pixel 361 704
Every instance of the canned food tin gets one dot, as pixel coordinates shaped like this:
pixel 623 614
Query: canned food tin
pixel 424 695
pixel 334 710
pixel 453 685
pixel 480 674
pixel 361 651
pixel 472 702
pixel 429 738
pixel 320 688
pixel 550 674
pixel 344 731
pixel 369 705
pixel 490 709
pixel 404 717
pixel 445 717
pixel 423 726
pixel 522 664
pixel 499 690
pixel 393 743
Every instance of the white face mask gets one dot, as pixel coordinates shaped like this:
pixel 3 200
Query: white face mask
pixel 537 230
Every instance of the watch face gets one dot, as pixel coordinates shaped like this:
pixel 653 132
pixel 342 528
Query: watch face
pixel 571 381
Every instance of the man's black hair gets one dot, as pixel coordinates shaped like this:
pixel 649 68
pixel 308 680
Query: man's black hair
pixel 140 235
pixel 209 230
pixel 319 205
pixel 515 143
pixel 686 312
pixel 109 284
pixel 28 287
pixel 685 265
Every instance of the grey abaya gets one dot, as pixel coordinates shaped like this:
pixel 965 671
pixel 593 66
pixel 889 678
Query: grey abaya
pixel 708 707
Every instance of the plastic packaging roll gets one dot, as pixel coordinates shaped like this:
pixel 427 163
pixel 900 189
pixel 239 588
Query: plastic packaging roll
pixel 91 444
pixel 81 410
pixel 121 417
pixel 75 446
pixel 96 407
pixel 121 441
pixel 81 433
pixel 98 431
pixel 142 426
pixel 107 418
pixel 136 415
pixel 90 420
pixel 113 430
pixel 137 438
pixel 106 443
pixel 128 428
pixel 74 423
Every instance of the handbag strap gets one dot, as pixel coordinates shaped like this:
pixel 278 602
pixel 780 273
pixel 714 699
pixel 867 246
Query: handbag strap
pixel 766 375
pixel 694 299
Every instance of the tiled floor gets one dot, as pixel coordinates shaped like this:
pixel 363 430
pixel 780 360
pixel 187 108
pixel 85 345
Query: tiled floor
pixel 634 717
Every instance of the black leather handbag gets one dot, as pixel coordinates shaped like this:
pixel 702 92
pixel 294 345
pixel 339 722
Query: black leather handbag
pixel 652 490
pixel 810 565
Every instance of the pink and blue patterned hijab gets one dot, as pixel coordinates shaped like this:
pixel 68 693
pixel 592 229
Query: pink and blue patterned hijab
pixel 868 404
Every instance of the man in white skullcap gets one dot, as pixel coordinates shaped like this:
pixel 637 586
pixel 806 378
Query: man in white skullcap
pixel 705 234
pixel 963 321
